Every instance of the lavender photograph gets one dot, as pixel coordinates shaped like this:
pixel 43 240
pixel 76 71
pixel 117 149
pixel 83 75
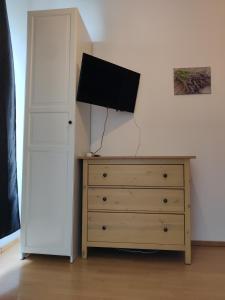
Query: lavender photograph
pixel 189 81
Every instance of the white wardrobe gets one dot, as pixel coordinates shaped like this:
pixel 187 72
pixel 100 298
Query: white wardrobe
pixel 57 130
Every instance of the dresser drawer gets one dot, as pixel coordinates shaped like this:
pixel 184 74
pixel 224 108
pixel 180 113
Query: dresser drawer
pixel 136 228
pixel 136 175
pixel 158 200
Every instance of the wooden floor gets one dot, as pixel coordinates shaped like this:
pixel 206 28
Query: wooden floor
pixel 114 275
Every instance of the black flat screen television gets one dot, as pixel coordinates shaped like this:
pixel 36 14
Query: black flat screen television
pixel 106 84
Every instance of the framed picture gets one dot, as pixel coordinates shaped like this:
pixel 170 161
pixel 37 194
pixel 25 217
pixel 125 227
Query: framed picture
pixel 189 81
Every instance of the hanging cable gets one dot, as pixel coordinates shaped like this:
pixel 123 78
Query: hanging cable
pixel 103 133
pixel 139 136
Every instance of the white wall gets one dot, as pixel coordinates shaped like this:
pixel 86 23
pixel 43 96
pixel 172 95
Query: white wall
pixel 153 37
pixel 17 14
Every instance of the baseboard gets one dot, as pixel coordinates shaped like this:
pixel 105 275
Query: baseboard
pixel 8 246
pixel 208 243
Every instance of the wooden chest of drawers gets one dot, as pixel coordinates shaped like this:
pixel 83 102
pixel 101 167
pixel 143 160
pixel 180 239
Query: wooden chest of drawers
pixel 137 202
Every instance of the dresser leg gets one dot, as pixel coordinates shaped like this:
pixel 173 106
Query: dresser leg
pixel 188 256
pixel 84 252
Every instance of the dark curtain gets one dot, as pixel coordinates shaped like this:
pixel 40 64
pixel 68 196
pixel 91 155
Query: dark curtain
pixel 9 210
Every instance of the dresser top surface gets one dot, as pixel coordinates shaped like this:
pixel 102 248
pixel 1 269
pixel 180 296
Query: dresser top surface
pixel 135 157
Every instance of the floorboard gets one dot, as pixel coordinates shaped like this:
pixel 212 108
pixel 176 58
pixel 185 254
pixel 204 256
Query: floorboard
pixel 114 275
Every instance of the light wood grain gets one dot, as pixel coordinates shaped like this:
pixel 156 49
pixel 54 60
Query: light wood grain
pixel 8 246
pixel 114 275
pixel 137 246
pixel 136 228
pixel 137 157
pixel 84 209
pixel 187 212
pixel 126 206
pixel 136 175
pixel 137 161
pixel 159 200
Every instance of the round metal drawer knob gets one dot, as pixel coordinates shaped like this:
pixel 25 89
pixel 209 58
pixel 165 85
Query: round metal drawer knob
pixel 104 175
pixel 104 227
pixel 104 199
pixel 165 175
pixel 165 200
pixel 165 229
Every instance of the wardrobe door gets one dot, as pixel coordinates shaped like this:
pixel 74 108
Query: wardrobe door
pixel 49 134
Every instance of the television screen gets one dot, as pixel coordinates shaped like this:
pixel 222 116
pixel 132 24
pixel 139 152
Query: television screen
pixel 106 84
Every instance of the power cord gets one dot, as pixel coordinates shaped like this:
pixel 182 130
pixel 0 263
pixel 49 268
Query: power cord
pixel 139 136
pixel 103 133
